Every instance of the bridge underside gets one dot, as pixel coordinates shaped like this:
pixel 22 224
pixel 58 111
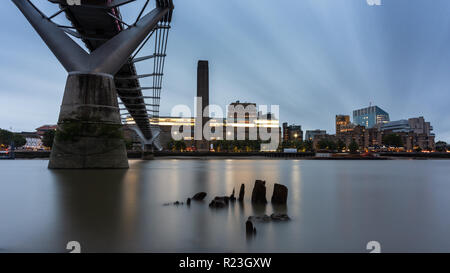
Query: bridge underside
pixel 95 26
pixel 89 131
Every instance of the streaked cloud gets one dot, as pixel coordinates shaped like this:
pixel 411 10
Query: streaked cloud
pixel 315 58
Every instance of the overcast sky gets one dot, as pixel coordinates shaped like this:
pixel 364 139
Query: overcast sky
pixel 314 58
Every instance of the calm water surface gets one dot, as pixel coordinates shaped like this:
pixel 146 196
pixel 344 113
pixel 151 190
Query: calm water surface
pixel 335 206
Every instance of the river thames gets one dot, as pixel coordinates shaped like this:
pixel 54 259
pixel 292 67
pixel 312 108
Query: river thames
pixel 334 205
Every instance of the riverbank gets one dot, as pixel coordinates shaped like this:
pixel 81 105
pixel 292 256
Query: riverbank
pixel 417 155
pixel 258 155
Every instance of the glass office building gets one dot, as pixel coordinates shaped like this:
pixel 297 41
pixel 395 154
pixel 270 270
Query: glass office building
pixel 370 116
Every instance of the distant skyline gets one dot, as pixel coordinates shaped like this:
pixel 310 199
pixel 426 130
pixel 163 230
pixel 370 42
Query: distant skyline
pixel 314 58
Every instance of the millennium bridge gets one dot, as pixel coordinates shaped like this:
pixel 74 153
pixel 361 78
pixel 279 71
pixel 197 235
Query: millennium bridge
pixel 89 133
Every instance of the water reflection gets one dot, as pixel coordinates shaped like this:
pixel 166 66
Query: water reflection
pixel 90 204
pixel 334 206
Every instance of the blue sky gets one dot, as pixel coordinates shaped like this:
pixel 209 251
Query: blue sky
pixel 314 58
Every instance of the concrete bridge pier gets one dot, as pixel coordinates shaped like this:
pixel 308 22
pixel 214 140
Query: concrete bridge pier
pixel 89 131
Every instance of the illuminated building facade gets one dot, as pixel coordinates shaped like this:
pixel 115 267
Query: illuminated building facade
pixel 33 141
pixel 342 124
pixel 229 129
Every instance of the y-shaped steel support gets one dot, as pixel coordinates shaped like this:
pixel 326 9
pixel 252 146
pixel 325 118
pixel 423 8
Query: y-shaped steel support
pixel 147 144
pixel 107 59
pixel 89 131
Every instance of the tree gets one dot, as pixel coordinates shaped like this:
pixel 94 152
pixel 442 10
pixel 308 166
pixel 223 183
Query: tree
pixel 308 146
pixel 327 144
pixel 223 145
pixel 171 145
pixel 246 145
pixel 180 145
pixel 322 144
pixel 392 140
pixel 19 140
pixel 353 146
pixel 236 145
pixel 240 145
pixel 332 145
pixel 441 146
pixel 286 144
pixel 255 145
pixel 176 145
pixel 299 145
pixel 340 145
pixel 128 144
pixel 7 137
pixel 48 138
pixel 218 145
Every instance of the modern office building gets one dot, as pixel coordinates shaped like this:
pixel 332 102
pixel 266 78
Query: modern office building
pixel 370 116
pixel 292 132
pixel 311 134
pixel 395 126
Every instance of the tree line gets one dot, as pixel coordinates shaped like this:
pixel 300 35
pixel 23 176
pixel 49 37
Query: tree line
pixel 7 137
pixel 323 144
